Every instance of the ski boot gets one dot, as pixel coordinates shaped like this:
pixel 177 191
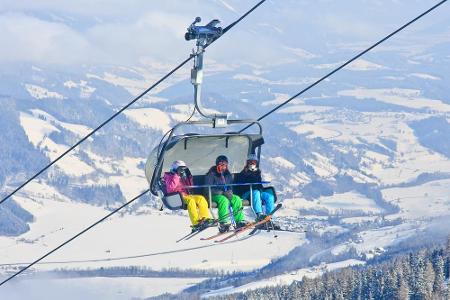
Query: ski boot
pixel 274 226
pixel 224 227
pixel 260 217
pixel 241 224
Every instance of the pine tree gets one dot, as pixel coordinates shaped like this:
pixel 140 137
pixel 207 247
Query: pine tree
pixel 448 290
pixel 439 279
pixel 418 285
pixel 403 290
pixel 356 285
pixel 429 277
pixel 390 288
pixel 447 258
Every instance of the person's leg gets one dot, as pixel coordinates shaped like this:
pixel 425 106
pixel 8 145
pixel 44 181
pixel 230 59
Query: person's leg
pixel 236 204
pixel 256 203
pixel 269 201
pixel 246 195
pixel 202 205
pixel 192 208
pixel 222 205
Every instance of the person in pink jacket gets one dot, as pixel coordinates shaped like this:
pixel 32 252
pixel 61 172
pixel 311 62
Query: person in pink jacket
pixel 176 181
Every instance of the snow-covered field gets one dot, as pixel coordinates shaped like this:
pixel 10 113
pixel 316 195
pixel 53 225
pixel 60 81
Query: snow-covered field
pixel 350 201
pixel 403 97
pixel 425 201
pixel 94 288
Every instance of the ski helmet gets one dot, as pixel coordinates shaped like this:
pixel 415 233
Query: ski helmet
pixel 176 164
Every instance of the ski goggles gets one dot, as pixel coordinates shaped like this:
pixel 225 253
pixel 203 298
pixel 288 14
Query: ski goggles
pixel 252 162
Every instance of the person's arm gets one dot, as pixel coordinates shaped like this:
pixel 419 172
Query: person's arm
pixel 172 183
pixel 209 180
pixel 241 189
pixel 258 179
pixel 228 180
pixel 190 180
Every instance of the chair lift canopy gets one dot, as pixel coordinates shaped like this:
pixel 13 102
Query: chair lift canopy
pixel 199 152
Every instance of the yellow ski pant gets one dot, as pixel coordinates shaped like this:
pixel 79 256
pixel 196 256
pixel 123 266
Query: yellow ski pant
pixel 197 207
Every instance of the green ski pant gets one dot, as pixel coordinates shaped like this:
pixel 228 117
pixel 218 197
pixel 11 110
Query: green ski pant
pixel 223 203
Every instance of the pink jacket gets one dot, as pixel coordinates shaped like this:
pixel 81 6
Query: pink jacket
pixel 174 183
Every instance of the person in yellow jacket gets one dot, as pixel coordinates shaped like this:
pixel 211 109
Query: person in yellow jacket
pixel 176 181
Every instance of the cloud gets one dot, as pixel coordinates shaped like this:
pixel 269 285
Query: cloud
pixel 113 31
pixel 25 38
pixel 119 32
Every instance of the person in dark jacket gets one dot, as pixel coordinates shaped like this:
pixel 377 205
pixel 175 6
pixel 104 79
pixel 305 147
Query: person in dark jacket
pixel 223 195
pixel 252 174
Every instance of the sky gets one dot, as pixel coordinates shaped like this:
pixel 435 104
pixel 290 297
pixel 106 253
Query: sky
pixel 135 31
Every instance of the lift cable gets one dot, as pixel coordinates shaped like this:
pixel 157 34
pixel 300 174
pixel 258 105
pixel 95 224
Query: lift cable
pixel 127 106
pixel 121 258
pixel 104 123
pixel 346 63
pixel 88 228
pixel 147 190
pixel 75 236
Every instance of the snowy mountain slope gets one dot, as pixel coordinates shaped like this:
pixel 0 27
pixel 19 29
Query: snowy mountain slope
pixel 147 240
pixel 368 146
pixel 286 279
pixel 134 236
pixel 361 161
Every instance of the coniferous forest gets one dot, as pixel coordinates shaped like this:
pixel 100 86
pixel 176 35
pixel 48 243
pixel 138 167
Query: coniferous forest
pixel 419 275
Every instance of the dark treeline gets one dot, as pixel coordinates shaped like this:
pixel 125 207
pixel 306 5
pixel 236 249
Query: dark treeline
pixel 419 275
pixel 135 271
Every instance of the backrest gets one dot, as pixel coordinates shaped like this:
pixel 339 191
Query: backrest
pixel 200 180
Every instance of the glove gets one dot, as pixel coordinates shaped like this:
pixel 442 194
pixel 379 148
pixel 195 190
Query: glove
pixel 188 172
pixel 219 169
pixel 228 194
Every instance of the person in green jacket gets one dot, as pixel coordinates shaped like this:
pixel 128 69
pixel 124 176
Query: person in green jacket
pixel 223 195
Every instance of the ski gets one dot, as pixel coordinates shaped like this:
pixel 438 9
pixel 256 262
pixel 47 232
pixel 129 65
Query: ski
pixel 242 229
pixel 259 227
pixel 250 225
pixel 212 224
pixel 200 230
pixel 194 233
pixel 214 236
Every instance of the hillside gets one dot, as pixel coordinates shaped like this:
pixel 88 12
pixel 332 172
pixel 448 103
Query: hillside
pixel 361 163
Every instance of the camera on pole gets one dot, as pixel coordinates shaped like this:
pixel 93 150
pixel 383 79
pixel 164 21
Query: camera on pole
pixel 203 34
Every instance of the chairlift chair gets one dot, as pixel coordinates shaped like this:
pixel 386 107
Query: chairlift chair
pixel 199 150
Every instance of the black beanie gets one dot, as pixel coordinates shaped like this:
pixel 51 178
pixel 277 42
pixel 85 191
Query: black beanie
pixel 221 158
